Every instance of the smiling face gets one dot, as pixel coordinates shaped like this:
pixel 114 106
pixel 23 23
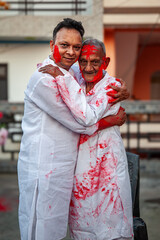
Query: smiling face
pixel 66 48
pixel 92 62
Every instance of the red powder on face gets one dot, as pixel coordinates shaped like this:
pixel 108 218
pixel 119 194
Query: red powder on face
pixel 99 74
pixel 88 50
pixel 56 54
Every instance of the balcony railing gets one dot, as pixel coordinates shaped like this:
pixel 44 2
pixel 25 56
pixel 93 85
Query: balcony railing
pixel 33 7
pixel 140 133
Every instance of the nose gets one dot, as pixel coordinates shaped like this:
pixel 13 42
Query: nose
pixel 70 51
pixel 88 67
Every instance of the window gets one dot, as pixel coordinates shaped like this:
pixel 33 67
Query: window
pixel 3 82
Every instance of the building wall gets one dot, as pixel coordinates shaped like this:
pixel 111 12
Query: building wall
pixel 120 13
pixel 121 47
pixel 109 42
pixel 22 60
pixel 42 26
pixel 147 64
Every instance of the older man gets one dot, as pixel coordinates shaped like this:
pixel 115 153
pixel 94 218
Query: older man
pixel 48 149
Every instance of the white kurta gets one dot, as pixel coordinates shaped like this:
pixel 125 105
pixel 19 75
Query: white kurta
pixel 101 205
pixel 47 158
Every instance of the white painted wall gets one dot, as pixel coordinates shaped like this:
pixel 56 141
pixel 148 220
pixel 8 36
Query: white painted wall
pixel 22 60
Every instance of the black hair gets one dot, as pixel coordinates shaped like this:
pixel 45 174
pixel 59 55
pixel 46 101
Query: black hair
pixel 95 42
pixel 70 24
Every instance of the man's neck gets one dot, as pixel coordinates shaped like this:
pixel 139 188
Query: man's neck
pixel 59 65
pixel 89 86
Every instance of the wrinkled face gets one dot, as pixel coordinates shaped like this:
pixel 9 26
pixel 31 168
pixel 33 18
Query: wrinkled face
pixel 66 48
pixel 92 63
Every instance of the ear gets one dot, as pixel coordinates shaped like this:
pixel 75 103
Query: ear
pixel 51 45
pixel 106 61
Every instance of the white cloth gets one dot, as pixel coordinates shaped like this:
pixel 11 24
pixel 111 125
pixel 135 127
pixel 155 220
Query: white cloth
pixel 101 205
pixel 47 159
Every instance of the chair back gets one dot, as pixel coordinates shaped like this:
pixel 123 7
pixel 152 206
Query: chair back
pixel 133 168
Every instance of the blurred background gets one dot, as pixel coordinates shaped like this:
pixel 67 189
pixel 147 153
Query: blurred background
pixel 130 30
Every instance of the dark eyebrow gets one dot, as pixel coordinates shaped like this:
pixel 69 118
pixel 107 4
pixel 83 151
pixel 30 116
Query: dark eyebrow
pixel 64 42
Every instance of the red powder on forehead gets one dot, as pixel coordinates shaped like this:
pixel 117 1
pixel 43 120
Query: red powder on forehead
pixel 88 50
pixel 56 54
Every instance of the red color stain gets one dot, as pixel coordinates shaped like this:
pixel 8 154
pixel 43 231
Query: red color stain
pixel 97 176
pixel 88 50
pixel 91 92
pixel 56 54
pixel 47 175
pixel 99 101
pixel 4 206
pixel 39 65
pixel 99 74
pixel 103 144
pixel 68 99
pixel 1 115
pixel 83 138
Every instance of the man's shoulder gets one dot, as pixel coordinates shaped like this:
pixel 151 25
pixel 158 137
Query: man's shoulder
pixel 75 67
pixel 110 79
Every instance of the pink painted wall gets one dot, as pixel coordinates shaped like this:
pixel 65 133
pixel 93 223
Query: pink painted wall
pixel 147 64
pixel 109 41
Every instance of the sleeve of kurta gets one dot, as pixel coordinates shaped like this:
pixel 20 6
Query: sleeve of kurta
pixel 45 94
pixel 72 94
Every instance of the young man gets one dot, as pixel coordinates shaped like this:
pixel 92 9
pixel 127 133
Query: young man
pixel 48 149
pixel 101 203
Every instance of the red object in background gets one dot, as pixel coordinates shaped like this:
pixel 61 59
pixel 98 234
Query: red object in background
pixel 4 206
pixel 1 115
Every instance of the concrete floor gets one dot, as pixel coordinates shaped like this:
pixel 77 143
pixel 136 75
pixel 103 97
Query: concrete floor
pixel 149 201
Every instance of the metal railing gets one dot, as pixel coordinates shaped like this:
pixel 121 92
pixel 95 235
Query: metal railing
pixel 141 132
pixel 76 6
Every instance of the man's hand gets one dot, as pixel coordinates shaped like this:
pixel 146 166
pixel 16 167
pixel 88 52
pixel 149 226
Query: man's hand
pixel 52 70
pixel 110 121
pixel 122 92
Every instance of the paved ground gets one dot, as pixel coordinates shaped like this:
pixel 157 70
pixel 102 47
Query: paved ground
pixel 149 201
